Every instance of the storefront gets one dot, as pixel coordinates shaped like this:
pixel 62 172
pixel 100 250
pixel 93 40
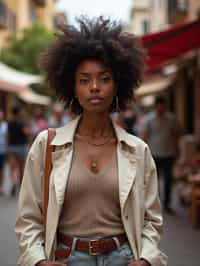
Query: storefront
pixel 179 47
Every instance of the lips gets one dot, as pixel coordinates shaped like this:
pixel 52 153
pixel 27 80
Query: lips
pixel 95 100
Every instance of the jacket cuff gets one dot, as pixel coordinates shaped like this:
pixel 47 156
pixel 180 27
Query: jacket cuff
pixel 143 259
pixel 155 258
pixel 33 256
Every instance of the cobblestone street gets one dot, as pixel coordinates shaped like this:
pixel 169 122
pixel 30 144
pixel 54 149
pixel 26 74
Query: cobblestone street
pixel 181 242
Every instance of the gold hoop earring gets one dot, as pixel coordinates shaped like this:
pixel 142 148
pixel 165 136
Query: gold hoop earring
pixel 117 103
pixel 70 105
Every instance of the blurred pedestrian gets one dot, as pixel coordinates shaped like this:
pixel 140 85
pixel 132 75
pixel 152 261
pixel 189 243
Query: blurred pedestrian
pixel 160 131
pixel 18 138
pixel 103 200
pixel 129 118
pixel 58 118
pixel 3 147
pixel 39 122
pixel 118 118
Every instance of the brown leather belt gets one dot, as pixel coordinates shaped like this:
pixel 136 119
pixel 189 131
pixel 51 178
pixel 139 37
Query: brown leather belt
pixel 92 247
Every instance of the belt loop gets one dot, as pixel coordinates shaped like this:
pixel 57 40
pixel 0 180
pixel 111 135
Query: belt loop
pixel 73 244
pixel 116 242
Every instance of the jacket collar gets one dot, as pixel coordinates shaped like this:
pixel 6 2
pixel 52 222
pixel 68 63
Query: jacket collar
pixel 65 134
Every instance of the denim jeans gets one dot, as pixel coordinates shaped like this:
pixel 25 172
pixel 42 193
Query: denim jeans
pixel 121 256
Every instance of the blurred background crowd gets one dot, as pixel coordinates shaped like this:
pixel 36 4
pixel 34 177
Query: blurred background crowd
pixel 18 133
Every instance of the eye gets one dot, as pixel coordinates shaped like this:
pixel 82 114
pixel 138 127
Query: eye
pixel 84 81
pixel 105 79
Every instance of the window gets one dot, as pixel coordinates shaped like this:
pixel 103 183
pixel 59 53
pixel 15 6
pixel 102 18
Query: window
pixel 12 21
pixel 32 12
pixel 3 15
pixel 177 7
pixel 182 5
pixel 145 26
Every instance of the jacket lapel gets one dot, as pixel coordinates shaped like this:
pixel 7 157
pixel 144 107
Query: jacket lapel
pixel 126 173
pixel 61 161
pixel 127 159
pixel 62 158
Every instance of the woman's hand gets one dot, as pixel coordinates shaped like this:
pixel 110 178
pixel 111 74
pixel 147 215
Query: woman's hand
pixel 140 262
pixel 49 263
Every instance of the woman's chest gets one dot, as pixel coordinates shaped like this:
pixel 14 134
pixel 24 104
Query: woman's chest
pixel 95 158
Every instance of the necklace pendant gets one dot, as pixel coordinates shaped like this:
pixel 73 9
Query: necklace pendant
pixel 94 167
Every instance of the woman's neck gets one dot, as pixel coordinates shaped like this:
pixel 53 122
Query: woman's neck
pixel 95 125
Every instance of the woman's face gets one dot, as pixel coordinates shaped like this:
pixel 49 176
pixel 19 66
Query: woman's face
pixel 94 86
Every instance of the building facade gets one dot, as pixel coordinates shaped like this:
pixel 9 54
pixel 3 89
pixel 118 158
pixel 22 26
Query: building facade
pixel 15 15
pixel 148 16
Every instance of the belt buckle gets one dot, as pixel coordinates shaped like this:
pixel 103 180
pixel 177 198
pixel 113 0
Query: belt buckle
pixel 91 248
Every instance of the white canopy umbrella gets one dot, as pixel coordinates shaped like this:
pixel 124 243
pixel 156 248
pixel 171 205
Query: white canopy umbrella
pixel 155 86
pixel 18 82
pixel 31 97
pixel 17 77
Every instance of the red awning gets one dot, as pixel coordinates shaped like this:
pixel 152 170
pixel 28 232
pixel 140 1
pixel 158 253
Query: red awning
pixel 164 46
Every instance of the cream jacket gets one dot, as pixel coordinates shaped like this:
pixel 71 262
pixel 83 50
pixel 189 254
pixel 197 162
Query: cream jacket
pixel 138 193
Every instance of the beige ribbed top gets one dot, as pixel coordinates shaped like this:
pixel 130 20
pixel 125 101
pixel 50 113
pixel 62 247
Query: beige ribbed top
pixel 91 206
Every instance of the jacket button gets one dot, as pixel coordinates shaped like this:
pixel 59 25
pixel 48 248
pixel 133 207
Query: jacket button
pixel 126 217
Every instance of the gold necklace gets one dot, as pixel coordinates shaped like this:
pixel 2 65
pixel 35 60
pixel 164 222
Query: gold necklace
pixel 95 144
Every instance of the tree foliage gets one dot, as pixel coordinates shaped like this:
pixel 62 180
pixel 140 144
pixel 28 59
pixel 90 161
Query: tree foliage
pixel 23 51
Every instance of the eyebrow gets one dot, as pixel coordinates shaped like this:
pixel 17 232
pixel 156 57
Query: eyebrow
pixel 101 73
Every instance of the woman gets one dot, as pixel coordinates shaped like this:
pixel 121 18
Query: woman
pixel 103 202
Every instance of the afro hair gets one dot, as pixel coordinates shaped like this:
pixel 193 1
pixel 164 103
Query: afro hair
pixel 96 39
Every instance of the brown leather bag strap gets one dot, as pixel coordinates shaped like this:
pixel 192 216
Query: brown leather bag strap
pixel 47 170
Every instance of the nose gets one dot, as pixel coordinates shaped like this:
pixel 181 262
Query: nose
pixel 94 86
